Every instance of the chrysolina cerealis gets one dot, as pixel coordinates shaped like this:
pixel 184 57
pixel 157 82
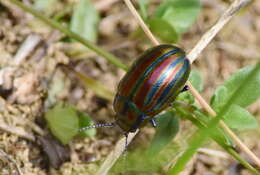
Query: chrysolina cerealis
pixel 152 83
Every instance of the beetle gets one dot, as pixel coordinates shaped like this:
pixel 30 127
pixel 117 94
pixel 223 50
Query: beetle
pixel 152 83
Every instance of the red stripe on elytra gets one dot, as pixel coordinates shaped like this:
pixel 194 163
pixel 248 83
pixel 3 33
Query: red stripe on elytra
pixel 164 85
pixel 150 80
pixel 128 85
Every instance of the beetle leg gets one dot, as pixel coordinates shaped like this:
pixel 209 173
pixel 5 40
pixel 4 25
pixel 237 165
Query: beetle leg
pixel 185 88
pixel 153 122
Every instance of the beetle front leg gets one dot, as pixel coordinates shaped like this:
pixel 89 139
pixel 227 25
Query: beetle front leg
pixel 185 88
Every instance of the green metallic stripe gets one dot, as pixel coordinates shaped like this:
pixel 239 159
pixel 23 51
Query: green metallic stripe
pixel 173 86
pixel 157 85
pixel 149 69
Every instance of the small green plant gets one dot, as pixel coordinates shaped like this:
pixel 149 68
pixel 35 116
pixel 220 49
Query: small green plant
pixel 171 18
pixel 65 121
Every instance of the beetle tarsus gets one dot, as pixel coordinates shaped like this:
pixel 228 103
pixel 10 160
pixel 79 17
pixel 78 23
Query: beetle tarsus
pixel 185 88
pixel 153 123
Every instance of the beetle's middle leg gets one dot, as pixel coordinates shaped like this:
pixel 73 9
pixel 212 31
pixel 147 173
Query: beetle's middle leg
pixel 185 88
pixel 153 122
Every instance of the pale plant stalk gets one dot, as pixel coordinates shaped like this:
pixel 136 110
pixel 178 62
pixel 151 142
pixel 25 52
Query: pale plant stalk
pixel 204 41
pixel 118 150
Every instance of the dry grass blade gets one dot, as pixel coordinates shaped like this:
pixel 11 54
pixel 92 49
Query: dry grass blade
pixel 26 48
pixel 211 33
pixel 17 131
pixel 205 39
pixel 141 22
pixel 115 154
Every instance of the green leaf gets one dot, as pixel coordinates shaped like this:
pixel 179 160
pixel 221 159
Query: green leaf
pixel 167 128
pixel 84 20
pixel 163 30
pixel 219 98
pixel 196 79
pixel 251 92
pixel 143 4
pixel 84 121
pixel 185 97
pixel 63 122
pixel 218 134
pixel 179 13
pixel 160 28
pixel 239 118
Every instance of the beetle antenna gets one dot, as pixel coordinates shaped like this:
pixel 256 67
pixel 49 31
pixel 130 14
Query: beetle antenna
pixel 100 125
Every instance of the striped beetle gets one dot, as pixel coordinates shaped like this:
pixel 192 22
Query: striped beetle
pixel 151 85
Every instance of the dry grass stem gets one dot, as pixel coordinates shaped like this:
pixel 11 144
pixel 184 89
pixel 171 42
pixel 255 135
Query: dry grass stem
pixel 115 154
pixel 211 33
pixel 26 48
pixel 206 38
pixel 17 131
pixel 141 22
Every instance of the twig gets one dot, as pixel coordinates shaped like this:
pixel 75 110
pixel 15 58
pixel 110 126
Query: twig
pixel 141 22
pixel 26 48
pixel 115 154
pixel 206 38
pixel 10 159
pixel 17 131
pixel 211 33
